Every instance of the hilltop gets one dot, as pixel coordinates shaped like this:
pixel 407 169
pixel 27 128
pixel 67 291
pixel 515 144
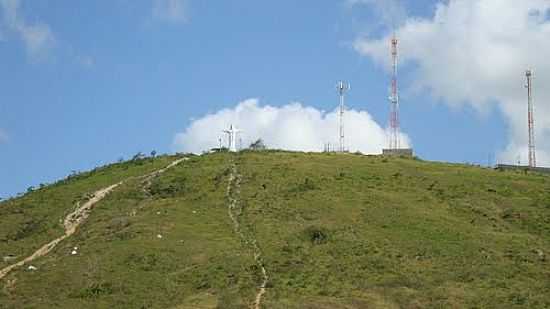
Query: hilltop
pixel 274 229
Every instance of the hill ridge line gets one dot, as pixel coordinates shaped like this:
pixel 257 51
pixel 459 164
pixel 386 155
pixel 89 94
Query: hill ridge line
pixel 74 219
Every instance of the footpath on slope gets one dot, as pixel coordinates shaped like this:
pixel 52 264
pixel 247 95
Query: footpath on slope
pixel 77 217
pixel 235 209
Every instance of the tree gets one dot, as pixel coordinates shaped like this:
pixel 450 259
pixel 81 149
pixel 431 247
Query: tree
pixel 258 145
pixel 153 153
pixel 138 156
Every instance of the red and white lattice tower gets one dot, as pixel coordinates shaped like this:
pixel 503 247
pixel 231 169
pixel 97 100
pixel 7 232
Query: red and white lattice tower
pixel 530 119
pixel 394 99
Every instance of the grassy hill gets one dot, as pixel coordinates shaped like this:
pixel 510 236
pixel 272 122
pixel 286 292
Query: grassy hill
pixel 331 231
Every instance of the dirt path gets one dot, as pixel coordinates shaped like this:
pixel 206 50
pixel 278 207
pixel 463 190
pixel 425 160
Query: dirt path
pixel 76 218
pixel 148 179
pixel 235 210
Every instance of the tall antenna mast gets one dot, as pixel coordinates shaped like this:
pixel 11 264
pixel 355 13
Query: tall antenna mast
pixel 342 87
pixel 530 119
pixel 394 99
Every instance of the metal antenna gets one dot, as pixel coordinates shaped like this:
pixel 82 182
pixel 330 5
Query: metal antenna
pixel 394 99
pixel 530 119
pixel 342 87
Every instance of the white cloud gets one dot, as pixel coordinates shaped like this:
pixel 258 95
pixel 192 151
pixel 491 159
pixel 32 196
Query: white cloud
pixel 289 127
pixel 38 37
pixel 476 52
pixel 171 10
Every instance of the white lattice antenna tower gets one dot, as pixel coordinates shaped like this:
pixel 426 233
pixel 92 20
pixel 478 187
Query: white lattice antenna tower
pixel 531 119
pixel 342 88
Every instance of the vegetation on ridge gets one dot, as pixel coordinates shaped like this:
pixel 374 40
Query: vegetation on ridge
pixel 335 231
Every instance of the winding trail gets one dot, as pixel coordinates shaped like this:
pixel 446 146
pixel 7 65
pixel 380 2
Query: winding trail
pixel 235 210
pixel 77 217
pixel 149 177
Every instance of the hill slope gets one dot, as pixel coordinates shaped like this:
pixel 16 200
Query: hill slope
pixel 283 230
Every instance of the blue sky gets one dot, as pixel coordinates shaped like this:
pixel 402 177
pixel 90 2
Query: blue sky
pixel 112 78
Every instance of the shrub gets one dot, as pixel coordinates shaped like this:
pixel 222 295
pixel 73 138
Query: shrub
pixel 305 186
pixel 316 235
pixel 96 289
pixel 258 145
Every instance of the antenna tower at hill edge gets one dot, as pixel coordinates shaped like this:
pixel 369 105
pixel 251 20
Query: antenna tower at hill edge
pixel 530 118
pixel 342 87
pixel 394 147
pixel 394 99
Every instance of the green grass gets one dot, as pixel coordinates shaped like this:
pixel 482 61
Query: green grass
pixel 335 231
pixel 30 221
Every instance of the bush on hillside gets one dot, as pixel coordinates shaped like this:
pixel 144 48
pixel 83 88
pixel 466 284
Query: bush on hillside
pixel 258 145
